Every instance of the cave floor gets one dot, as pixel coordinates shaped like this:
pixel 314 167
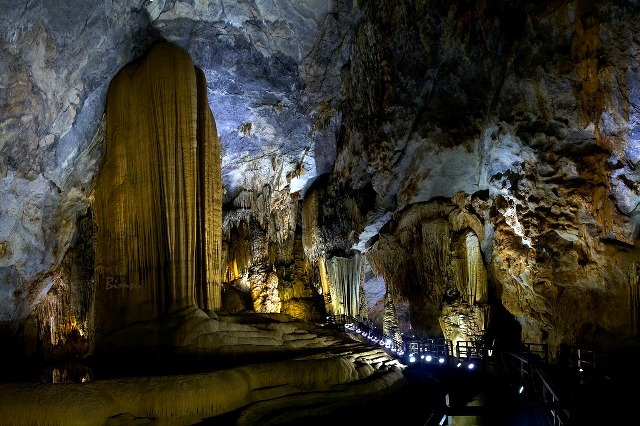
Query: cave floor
pixel 484 396
pixel 419 401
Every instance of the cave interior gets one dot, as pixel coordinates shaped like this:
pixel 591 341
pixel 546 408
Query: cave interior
pixel 261 212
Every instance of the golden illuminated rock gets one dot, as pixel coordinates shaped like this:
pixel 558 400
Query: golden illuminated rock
pixel 431 255
pixel 209 203
pixel 341 281
pixel 158 194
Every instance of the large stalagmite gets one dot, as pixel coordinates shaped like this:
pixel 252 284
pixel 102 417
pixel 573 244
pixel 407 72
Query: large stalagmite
pixel 158 194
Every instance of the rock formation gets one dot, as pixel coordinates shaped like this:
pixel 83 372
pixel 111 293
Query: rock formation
pixel 430 255
pixel 529 111
pixel 461 169
pixel 158 195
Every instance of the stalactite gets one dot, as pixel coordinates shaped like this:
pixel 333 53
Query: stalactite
pixel 468 273
pixel 55 321
pixel 298 290
pixel 262 277
pixel 244 200
pixel 262 205
pixel 390 326
pixel 238 250
pixel 388 258
pixel 155 206
pixel 476 271
pixel 363 310
pixel 58 325
pixel 433 266
pixel 282 224
pixel 61 332
pixel 343 284
pixel 310 227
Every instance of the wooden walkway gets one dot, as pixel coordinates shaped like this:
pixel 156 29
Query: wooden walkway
pixel 585 388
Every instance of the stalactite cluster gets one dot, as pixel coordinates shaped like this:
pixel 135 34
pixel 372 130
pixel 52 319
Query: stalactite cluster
pixel 263 281
pixel 258 241
pixel 311 232
pixel 59 324
pixel 236 252
pixel 329 233
pixel 59 331
pixel 299 291
pixel 341 282
pixel 158 194
pixel 443 276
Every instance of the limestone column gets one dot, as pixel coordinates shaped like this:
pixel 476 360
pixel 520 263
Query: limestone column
pixel 157 197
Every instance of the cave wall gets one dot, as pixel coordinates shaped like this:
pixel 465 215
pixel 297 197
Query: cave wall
pixel 272 70
pixel 528 110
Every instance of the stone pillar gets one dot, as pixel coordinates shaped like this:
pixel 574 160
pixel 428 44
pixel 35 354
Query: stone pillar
pixel 158 194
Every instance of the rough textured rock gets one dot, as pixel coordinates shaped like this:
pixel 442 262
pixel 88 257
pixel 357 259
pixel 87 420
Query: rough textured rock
pixel 531 109
pixel 522 115
pixel 53 95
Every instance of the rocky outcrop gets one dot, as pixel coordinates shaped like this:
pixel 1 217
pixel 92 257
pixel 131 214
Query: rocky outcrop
pixel 531 111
